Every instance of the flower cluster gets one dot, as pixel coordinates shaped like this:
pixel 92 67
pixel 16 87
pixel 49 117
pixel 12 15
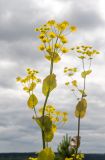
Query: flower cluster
pixel 79 156
pixel 55 115
pixel 30 81
pixel 85 54
pixel 51 118
pixel 53 39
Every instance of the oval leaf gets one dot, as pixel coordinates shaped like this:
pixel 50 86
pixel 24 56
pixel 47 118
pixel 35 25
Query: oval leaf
pixel 49 135
pixel 32 101
pixel 49 83
pixel 46 154
pixel 47 125
pixel 80 114
pixel 82 105
pixel 81 108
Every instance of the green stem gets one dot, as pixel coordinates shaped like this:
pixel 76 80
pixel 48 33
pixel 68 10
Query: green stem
pixel 44 107
pixel 79 119
pixel 78 137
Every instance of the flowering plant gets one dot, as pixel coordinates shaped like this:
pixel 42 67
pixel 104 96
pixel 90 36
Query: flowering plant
pixel 53 44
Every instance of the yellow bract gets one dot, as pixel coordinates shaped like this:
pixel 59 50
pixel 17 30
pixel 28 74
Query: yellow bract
pixel 46 154
pixel 45 123
pixel 49 83
pixel 49 135
pixel 32 101
pixel 81 108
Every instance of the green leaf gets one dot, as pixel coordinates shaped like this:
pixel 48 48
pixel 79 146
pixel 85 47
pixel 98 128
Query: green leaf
pixel 46 154
pixel 32 101
pixel 46 125
pixel 81 114
pixel 81 108
pixel 49 135
pixel 49 83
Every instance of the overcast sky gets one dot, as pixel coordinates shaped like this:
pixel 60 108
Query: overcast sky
pixel 18 50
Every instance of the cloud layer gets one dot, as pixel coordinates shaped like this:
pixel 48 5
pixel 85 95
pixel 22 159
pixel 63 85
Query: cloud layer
pixel 18 50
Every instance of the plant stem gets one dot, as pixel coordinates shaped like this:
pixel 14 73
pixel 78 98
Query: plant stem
pixel 79 119
pixel 78 138
pixel 46 99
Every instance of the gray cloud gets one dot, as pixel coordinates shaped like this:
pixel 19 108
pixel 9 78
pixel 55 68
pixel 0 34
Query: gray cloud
pixel 85 15
pixel 18 50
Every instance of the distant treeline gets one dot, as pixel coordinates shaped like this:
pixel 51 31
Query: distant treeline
pixel 25 156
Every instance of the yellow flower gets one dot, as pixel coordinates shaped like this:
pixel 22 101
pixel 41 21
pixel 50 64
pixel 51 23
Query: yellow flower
pixel 28 69
pixel 58 113
pixel 52 35
pixel 62 26
pixel 74 83
pixel 61 36
pixel 64 40
pixel 45 40
pixel 32 86
pixel 49 49
pixel 64 50
pixel 42 35
pixel 23 80
pixel 18 79
pixel 36 29
pixel 50 109
pixel 73 28
pixel 41 47
pixel 51 22
pixel 26 89
pixel 57 45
